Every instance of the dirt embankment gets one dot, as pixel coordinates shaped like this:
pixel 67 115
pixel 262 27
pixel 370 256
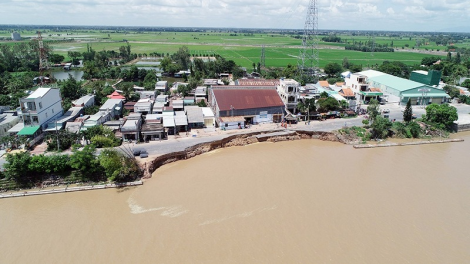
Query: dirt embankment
pixel 232 141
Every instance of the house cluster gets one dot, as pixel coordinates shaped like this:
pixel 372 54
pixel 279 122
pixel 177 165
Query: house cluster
pixel 237 105
pixel 151 117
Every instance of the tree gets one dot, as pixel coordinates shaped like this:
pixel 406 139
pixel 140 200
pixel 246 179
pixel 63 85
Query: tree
pixel 355 68
pixel 390 68
pixel 346 63
pixel 56 58
pixel 85 161
pixel 443 116
pixel 327 104
pixel 70 89
pixel 110 160
pixel 381 127
pixel 181 57
pixel 333 69
pixel 408 113
pixel 66 140
pixel 373 110
pixel 74 55
pixel 16 167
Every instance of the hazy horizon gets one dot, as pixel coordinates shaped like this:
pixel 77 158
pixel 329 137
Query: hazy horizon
pixel 361 15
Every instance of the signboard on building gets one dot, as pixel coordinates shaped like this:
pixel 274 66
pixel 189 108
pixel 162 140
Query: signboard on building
pixel 263 114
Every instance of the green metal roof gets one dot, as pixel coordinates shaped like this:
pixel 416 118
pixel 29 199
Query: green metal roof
pixel 397 83
pixel 28 131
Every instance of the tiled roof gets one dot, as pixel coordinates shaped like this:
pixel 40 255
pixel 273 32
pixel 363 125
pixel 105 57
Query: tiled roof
pixel 376 90
pixel 324 84
pixel 346 92
pixel 246 98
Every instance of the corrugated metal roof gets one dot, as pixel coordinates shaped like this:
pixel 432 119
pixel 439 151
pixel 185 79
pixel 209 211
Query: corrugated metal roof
pixel 246 98
pixel 168 121
pixel 257 82
pixel 195 114
pixel 181 120
pixel 396 83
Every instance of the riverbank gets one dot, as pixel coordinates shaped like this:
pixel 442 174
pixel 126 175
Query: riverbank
pixel 70 189
pixel 153 162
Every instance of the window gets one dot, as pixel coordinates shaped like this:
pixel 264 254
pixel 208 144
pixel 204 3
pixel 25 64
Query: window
pixel 52 110
pixel 46 115
pixel 40 105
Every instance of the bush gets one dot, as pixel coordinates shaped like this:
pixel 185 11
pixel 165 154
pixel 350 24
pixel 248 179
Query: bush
pixel 118 167
pixel 103 142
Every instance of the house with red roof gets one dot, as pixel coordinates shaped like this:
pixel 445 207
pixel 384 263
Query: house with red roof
pixel 235 108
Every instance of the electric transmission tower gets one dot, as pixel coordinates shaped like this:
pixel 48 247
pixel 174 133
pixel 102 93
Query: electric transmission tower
pixel 263 57
pixel 309 59
pixel 43 63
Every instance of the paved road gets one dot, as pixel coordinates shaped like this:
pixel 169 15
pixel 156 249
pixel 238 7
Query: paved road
pixel 182 142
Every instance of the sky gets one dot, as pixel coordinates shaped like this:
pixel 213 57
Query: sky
pixel 394 15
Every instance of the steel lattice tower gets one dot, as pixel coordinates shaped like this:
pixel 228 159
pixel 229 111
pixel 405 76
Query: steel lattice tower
pixel 308 62
pixel 263 57
pixel 43 63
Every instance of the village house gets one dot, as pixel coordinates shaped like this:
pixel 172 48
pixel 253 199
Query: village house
pixel 40 107
pixel 234 108
pixel 288 90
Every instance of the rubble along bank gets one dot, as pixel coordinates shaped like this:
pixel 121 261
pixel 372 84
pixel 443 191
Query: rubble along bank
pixel 235 140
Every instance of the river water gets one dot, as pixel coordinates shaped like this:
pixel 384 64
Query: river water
pixel 305 201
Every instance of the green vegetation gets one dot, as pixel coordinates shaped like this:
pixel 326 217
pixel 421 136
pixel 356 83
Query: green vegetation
pixel 408 113
pixel 101 137
pixel 24 171
pixel 441 116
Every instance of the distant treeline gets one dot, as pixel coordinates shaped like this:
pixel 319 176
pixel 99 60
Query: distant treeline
pixel 368 48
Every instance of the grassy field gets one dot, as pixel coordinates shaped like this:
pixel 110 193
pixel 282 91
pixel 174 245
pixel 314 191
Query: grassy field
pixel 244 49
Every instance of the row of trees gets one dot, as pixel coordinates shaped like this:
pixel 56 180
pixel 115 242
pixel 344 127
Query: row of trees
pixel 112 165
pixel 437 118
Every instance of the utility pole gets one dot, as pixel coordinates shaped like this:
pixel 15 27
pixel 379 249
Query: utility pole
pixel 57 135
pixel 308 113
pixel 308 62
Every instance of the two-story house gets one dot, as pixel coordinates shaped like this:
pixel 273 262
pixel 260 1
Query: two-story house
pixel 40 107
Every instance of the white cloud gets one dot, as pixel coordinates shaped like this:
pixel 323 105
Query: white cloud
pixel 333 14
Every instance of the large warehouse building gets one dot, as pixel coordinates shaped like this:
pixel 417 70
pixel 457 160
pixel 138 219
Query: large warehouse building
pixel 418 93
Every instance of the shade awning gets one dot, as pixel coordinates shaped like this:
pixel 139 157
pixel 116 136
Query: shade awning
pixel 371 93
pixel 28 131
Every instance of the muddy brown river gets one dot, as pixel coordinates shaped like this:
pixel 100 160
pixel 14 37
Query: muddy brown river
pixel 304 201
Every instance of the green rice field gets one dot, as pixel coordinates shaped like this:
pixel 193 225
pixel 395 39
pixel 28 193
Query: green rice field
pixel 244 49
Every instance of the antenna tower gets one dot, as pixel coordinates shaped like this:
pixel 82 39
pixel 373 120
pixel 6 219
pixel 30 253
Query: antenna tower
pixel 308 62
pixel 43 63
pixel 263 57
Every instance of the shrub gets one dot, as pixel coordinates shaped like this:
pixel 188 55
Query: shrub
pixel 103 142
